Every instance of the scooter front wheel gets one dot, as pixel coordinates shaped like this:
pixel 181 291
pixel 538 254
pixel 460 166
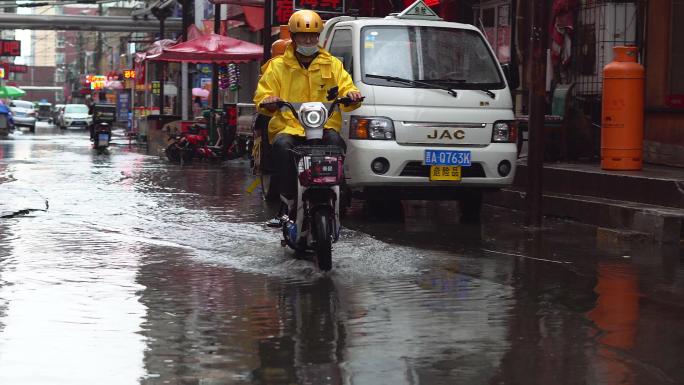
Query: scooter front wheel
pixel 323 235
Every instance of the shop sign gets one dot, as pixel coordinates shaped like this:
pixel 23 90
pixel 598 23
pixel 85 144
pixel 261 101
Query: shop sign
pixel 283 9
pixel 97 82
pixel 123 105
pixel 156 87
pixel 129 74
pixel 17 68
pixel 674 101
pixel 10 47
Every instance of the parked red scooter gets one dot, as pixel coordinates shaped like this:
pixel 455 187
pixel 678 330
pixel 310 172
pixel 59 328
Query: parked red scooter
pixel 186 146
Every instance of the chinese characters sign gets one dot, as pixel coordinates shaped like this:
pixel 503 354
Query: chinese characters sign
pixel 10 47
pixel 97 82
pixel 129 74
pixel 283 9
pixel 18 68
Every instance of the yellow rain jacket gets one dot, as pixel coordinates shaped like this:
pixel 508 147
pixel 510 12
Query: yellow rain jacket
pixel 286 78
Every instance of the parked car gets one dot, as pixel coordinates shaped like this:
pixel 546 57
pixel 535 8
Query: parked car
pixel 24 114
pixel 75 115
pixel 6 121
pixel 44 112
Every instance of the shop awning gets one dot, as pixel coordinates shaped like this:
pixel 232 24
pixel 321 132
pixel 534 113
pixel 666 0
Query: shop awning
pixel 210 48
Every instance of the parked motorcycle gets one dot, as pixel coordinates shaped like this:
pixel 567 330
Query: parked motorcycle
pixel 316 225
pixel 186 146
pixel 102 135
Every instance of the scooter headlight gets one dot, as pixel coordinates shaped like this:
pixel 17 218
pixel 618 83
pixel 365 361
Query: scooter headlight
pixel 313 115
pixel 313 118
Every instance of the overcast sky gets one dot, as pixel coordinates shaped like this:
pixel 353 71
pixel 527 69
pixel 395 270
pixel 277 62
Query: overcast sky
pixel 25 36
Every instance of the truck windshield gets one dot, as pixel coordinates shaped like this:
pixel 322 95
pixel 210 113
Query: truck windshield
pixel 457 57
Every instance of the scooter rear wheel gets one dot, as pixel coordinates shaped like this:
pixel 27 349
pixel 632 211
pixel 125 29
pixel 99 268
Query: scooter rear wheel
pixel 323 235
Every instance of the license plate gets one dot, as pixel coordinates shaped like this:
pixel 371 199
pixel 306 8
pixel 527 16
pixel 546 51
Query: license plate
pixel 103 139
pixel 450 173
pixel 447 158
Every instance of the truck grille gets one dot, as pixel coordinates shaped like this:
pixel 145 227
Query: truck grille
pixel 418 169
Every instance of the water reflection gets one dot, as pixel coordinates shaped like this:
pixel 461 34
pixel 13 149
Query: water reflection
pixel 548 335
pixel 206 323
pixel 308 347
pixel 154 273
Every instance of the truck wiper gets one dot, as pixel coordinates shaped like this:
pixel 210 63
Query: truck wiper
pixel 446 81
pixel 488 92
pixel 395 79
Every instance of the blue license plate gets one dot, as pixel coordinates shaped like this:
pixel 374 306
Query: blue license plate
pixel 103 138
pixel 447 158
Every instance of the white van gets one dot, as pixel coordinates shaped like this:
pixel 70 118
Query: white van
pixel 437 121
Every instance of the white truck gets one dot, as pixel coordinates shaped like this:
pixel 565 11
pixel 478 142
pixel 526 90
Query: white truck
pixel 437 121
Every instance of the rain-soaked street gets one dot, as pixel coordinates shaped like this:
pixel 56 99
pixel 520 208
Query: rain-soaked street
pixel 120 268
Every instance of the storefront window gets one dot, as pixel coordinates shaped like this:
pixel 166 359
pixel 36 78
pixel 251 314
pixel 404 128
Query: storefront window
pixel 494 19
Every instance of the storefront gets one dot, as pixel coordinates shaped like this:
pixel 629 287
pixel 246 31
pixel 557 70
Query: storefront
pixel 495 21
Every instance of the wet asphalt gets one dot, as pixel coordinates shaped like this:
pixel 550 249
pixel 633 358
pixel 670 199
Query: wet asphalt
pixel 120 268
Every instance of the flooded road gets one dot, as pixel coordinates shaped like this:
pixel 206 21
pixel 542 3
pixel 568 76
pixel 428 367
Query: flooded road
pixel 120 268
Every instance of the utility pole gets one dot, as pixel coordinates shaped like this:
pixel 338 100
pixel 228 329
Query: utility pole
pixel 266 39
pixel 185 86
pixel 537 101
pixel 161 67
pixel 98 47
pixel 81 55
pixel 214 80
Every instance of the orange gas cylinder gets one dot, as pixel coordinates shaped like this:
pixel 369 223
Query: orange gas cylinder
pixel 278 47
pixel 622 120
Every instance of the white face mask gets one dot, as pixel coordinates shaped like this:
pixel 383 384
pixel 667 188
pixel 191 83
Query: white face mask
pixel 307 51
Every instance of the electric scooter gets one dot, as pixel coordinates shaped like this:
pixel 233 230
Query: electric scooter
pixel 316 224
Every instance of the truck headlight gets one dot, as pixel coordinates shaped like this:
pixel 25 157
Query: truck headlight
pixel 371 128
pixel 504 132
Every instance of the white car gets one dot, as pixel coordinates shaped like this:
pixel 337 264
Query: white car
pixel 75 115
pixel 437 121
pixel 24 114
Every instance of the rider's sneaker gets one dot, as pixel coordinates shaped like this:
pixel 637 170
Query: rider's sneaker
pixel 274 222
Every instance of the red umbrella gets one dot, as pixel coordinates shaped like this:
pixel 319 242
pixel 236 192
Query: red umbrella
pixel 210 48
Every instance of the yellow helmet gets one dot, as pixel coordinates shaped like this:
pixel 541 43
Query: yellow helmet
pixel 305 21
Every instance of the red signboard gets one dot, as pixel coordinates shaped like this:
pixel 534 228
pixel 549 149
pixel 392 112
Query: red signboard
pixel 323 6
pixel 283 9
pixel 10 47
pixel 18 68
pixel 674 101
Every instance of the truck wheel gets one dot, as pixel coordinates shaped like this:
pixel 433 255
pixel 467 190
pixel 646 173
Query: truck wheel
pixel 470 204
pixel 323 238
